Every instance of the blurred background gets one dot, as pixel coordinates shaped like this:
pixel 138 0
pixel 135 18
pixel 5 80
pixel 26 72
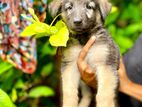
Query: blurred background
pixel 42 89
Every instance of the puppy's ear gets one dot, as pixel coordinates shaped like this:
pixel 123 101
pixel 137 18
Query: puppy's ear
pixel 105 8
pixel 54 7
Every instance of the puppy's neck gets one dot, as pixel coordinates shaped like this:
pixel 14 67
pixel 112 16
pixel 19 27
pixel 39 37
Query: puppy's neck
pixel 84 37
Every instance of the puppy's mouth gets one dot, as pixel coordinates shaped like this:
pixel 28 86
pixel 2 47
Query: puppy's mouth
pixel 79 30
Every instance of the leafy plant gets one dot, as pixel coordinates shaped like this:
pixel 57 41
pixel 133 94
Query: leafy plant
pixel 59 33
pixel 124 24
pixel 41 91
pixel 4 66
pixel 5 100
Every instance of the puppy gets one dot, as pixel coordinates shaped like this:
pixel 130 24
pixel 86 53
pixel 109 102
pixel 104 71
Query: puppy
pixel 85 18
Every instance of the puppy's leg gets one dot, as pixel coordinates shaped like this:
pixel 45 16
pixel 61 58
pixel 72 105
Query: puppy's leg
pixel 107 84
pixel 86 95
pixel 70 83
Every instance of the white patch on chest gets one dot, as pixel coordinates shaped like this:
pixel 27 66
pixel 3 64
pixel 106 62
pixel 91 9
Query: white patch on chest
pixel 97 55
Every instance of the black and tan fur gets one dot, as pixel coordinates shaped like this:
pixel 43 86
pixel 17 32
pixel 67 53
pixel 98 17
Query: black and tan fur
pixel 85 18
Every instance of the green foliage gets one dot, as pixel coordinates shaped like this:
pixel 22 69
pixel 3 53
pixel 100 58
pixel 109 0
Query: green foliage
pixel 124 23
pixel 4 66
pixel 41 91
pixel 5 100
pixel 59 33
pixel 14 95
pixel 38 28
pixel 61 37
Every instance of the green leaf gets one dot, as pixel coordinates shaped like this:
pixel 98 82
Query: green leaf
pixel 31 11
pixel 59 33
pixel 36 28
pixel 28 18
pixel 131 29
pixel 5 100
pixel 41 91
pixel 8 78
pixel 14 95
pixel 19 84
pixel 4 66
pixel 53 30
pixel 47 69
pixel 124 43
pixel 40 35
pixel 47 49
pixel 60 24
pixel 114 9
pixel 61 37
pixel 112 29
pixel 111 18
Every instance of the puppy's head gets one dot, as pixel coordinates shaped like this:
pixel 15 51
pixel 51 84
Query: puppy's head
pixel 81 15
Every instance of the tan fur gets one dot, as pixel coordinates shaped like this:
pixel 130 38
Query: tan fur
pixel 103 56
pixel 86 95
pixel 99 55
pixel 106 86
pixel 71 77
pixel 70 81
pixel 105 7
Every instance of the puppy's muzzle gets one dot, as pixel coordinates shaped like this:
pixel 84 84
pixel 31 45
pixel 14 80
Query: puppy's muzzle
pixel 77 21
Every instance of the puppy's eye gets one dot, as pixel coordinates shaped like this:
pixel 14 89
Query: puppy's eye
pixel 90 5
pixel 68 6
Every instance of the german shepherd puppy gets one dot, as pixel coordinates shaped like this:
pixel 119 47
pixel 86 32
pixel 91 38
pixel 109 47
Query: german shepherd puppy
pixel 85 18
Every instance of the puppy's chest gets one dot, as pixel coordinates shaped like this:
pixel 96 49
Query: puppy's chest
pixel 97 54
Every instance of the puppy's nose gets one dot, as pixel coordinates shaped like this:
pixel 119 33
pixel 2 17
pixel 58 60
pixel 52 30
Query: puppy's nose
pixel 77 20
